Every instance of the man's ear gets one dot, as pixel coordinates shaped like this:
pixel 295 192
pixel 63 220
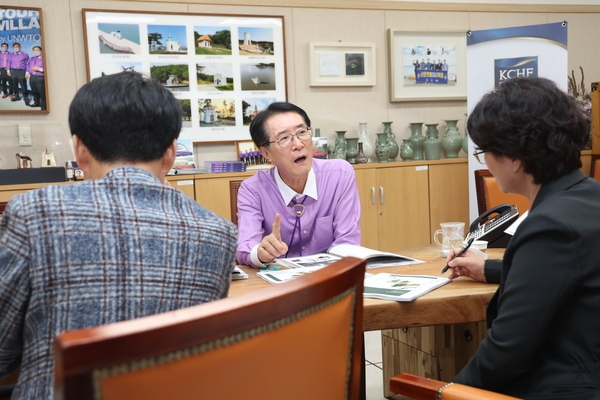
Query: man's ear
pixel 82 154
pixel 168 159
pixel 265 153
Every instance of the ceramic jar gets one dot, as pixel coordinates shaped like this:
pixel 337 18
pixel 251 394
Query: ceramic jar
pixel 352 150
pixel 451 142
pixel 417 139
pixel 381 148
pixel 341 146
pixel 406 152
pixel 394 149
pixel 361 158
pixel 363 137
pixel 432 145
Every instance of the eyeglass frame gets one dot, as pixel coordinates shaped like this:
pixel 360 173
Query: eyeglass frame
pixel 476 153
pixel 308 130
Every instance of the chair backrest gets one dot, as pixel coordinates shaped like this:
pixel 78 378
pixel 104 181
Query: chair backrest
pixel 2 207
pixel 301 339
pixel 420 388
pixel 489 194
pixel 595 168
pixel 234 187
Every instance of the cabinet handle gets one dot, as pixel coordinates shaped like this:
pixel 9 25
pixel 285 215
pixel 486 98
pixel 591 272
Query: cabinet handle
pixel 372 194
pixel 381 198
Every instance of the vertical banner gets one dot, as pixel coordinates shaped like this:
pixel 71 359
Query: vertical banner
pixel 496 55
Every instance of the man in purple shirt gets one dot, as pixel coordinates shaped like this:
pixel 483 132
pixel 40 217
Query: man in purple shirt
pixel 302 206
pixel 18 67
pixel 35 75
pixel 4 66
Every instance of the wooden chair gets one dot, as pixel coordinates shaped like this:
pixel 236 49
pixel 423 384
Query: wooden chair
pixel 234 187
pixel 297 340
pixel 420 388
pixel 489 194
pixel 595 168
pixel 2 207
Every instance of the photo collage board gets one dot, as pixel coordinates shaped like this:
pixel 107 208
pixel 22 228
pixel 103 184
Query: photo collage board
pixel 224 69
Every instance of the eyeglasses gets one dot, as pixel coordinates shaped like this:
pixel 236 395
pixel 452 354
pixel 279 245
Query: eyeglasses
pixel 285 140
pixel 476 154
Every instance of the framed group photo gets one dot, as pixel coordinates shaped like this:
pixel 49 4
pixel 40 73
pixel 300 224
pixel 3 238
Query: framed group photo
pixel 23 83
pixel 224 69
pixel 427 66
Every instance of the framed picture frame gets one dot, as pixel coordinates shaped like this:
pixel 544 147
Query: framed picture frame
pixel 342 64
pixel 23 86
pixel 223 68
pixel 427 66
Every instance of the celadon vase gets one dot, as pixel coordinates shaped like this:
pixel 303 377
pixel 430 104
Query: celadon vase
pixel 352 150
pixel 417 139
pixel 341 146
pixel 394 149
pixel 381 148
pixel 406 151
pixel 432 145
pixel 465 145
pixel 363 137
pixel 451 142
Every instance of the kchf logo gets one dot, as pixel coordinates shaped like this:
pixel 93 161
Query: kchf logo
pixel 508 68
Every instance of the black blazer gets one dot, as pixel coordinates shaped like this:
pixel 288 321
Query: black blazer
pixel 543 339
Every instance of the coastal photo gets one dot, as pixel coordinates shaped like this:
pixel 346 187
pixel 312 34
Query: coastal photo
pixel 252 106
pixel 255 41
pixel 109 68
pixel 258 76
pixel 119 38
pixel 216 112
pixel 214 76
pixel 167 39
pixel 174 77
pixel 186 116
pixel 214 40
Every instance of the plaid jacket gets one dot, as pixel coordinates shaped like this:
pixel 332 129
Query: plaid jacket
pixel 96 252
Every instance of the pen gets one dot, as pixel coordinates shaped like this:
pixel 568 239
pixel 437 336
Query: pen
pixel 460 253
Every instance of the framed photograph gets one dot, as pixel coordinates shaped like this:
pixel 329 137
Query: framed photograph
pixel 223 69
pixel 23 86
pixel 342 64
pixel 427 66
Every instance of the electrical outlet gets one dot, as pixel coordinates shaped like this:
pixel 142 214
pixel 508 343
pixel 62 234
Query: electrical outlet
pixel 25 135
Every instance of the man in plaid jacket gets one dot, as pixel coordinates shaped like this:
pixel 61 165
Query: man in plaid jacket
pixel 118 246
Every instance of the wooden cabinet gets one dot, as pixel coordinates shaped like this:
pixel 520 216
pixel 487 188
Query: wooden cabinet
pixel 402 204
pixel 213 191
pixel 394 207
pixel 185 183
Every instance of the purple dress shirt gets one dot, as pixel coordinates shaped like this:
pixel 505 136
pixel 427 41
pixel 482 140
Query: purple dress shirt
pixel 35 62
pixel 332 219
pixel 5 59
pixel 19 60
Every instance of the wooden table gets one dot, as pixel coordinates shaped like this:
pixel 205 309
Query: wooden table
pixel 462 300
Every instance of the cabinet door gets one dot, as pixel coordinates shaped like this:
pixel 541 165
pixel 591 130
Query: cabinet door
pixel 366 180
pixel 213 194
pixel 449 195
pixel 403 197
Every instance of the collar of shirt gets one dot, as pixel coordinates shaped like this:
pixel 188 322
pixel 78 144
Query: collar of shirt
pixel 287 193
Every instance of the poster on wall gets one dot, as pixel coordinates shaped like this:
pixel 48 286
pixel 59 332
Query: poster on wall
pixel 23 86
pixel 495 55
pixel 224 69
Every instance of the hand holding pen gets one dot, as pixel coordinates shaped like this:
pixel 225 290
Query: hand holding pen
pixel 460 253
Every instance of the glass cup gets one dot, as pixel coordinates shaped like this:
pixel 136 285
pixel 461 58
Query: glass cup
pixel 453 234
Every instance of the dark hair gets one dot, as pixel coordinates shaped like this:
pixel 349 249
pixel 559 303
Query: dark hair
pixel 125 117
pixel 4 44
pixel 532 120
pixel 16 44
pixel 257 127
pixel 37 47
